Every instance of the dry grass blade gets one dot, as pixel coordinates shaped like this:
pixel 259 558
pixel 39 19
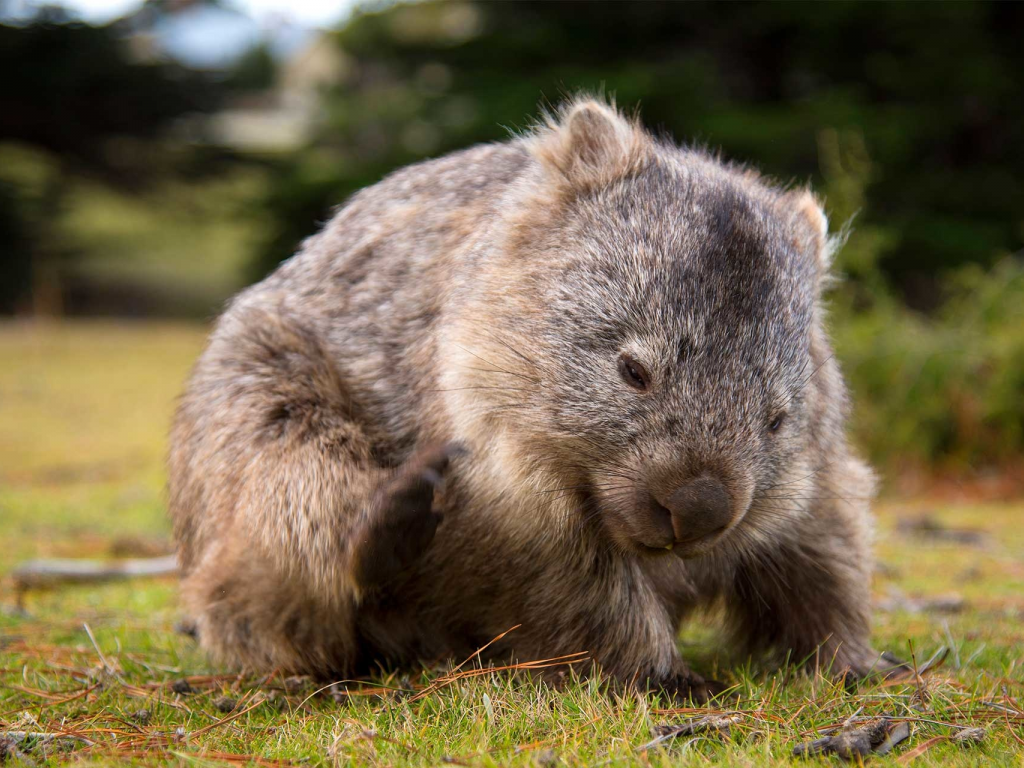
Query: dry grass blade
pixel 227 719
pixel 920 749
pixel 1011 729
pixel 446 680
pixel 143 693
pixel 484 647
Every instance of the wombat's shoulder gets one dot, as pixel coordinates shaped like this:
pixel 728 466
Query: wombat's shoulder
pixel 403 223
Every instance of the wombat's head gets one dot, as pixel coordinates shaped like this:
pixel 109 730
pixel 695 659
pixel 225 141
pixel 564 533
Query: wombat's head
pixel 654 335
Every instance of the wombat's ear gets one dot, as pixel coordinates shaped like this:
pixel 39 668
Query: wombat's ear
pixel 810 228
pixel 588 144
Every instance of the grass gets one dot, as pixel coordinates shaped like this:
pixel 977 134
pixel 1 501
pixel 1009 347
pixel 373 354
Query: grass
pixel 83 414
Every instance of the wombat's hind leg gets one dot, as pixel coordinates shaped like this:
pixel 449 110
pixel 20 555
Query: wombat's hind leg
pixel 255 611
pixel 248 617
pixel 403 521
pixel 285 517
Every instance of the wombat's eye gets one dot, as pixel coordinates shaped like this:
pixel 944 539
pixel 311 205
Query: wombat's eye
pixel 633 373
pixel 776 422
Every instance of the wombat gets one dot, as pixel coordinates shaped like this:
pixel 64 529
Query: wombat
pixel 578 382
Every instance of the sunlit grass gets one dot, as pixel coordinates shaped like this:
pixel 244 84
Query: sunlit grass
pixel 84 410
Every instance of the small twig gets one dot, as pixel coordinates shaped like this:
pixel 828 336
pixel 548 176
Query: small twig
pixel 1006 716
pixel 45 573
pixel 1000 707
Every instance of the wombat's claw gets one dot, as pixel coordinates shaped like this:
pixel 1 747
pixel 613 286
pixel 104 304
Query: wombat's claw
pixel 892 665
pixel 692 688
pixel 883 667
pixel 403 522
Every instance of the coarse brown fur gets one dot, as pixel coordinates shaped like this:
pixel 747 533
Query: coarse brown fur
pixel 490 300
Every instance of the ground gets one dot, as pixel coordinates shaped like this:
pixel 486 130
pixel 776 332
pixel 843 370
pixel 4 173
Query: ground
pixel 84 410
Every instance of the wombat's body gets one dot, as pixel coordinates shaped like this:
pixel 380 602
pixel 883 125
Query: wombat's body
pixel 625 341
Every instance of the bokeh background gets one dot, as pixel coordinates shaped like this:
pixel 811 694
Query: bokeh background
pixel 156 157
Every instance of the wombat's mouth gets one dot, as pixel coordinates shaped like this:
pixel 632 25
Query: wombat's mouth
pixel 700 546
pixel 688 549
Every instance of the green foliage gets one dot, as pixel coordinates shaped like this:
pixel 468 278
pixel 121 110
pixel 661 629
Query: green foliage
pixel 255 70
pixel 932 100
pixel 76 88
pixel 947 389
pixel 78 106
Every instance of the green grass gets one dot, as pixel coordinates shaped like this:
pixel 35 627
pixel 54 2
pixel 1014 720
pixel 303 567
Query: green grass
pixel 84 410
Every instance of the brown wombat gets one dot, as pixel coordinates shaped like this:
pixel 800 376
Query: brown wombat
pixel 578 381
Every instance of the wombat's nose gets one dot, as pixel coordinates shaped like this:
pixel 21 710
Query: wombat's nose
pixel 700 508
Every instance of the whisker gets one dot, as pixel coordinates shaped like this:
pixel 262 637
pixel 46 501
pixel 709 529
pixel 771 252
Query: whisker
pixel 498 368
pixel 807 380
pixel 503 389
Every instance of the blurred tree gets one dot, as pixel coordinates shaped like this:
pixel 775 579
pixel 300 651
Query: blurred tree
pixel 930 92
pixel 254 71
pixel 16 265
pixel 76 88
pixel 72 92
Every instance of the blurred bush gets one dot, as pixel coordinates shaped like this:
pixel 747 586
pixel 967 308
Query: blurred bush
pixel 945 391
pixel 929 91
pixel 906 116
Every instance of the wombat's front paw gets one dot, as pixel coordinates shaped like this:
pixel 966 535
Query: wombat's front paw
pixel 872 666
pixel 402 521
pixel 689 687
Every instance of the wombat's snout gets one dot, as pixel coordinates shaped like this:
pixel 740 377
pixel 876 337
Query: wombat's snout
pixel 698 511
